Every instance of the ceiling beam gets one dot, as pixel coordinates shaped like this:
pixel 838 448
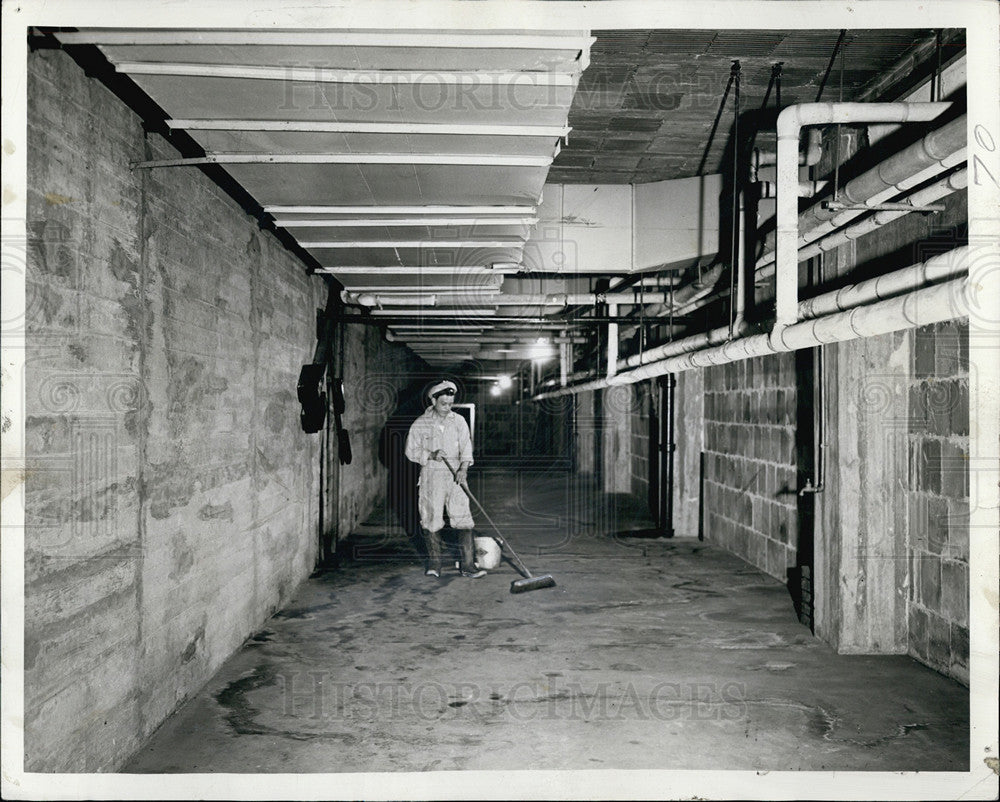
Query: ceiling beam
pixel 459 159
pixel 328 75
pixel 467 39
pixel 436 129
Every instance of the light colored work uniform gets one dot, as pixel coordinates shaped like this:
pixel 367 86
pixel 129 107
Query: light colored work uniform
pixel 438 492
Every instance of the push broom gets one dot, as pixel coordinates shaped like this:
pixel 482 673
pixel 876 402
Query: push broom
pixel 530 581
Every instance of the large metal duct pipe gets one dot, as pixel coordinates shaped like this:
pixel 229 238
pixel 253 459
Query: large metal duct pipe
pixel 920 307
pixel 807 158
pixel 790 123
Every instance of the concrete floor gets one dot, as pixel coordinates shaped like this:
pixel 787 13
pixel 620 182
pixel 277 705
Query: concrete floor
pixel 649 653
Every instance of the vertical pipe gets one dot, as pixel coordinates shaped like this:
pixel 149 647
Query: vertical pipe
pixel 670 381
pixel 741 269
pixel 787 229
pixel 564 351
pixel 612 341
pixel 701 496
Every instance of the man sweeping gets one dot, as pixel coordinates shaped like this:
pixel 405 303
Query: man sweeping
pixel 437 439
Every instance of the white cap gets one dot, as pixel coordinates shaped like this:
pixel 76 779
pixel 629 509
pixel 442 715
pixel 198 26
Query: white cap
pixel 444 385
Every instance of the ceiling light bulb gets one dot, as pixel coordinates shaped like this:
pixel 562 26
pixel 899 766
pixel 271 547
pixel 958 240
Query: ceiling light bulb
pixel 504 382
pixel 495 389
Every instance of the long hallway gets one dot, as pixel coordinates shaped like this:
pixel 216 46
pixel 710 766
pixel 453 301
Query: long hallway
pixel 649 653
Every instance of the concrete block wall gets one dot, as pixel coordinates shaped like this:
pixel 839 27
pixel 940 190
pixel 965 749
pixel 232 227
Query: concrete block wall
pixel 751 476
pixel 171 495
pixel 641 414
pixel 938 497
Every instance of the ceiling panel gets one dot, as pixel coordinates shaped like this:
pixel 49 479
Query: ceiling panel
pixel 316 142
pixel 333 184
pixel 430 59
pixel 429 101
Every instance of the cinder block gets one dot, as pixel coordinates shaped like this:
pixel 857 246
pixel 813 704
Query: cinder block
pixel 954 470
pixel 929 465
pixel 960 408
pixel 958 667
pixel 919 416
pixel 955 592
pixel 918 627
pixel 937 525
pixel 930 583
pixel 924 353
pixel 951 348
pixel 958 530
pixel 938 642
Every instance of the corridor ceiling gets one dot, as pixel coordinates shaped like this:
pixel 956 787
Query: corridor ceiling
pixel 414 161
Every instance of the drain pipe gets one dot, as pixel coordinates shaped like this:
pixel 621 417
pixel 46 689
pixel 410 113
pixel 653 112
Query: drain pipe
pixel 931 304
pixel 790 123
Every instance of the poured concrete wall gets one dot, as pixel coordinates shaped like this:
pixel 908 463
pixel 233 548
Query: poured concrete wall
pixel 892 527
pixel 617 406
pixel 171 495
pixel 375 374
pixel 689 436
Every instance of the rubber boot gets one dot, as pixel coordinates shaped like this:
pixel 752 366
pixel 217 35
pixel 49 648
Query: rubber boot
pixel 468 554
pixel 433 542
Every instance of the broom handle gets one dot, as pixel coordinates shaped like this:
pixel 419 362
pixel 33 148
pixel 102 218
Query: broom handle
pixel 465 487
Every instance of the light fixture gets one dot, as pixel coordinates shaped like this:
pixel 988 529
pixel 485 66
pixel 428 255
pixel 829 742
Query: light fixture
pixel 495 389
pixel 504 382
pixel 541 350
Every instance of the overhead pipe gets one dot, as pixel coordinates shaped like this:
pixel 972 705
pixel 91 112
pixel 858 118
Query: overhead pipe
pixel 496 298
pixel 955 182
pixel 930 304
pixel 937 268
pixel 920 308
pixel 938 151
pixel 790 123
pixel 436 338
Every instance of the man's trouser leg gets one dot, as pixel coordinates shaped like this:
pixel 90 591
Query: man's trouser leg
pixel 433 543
pixel 467 551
